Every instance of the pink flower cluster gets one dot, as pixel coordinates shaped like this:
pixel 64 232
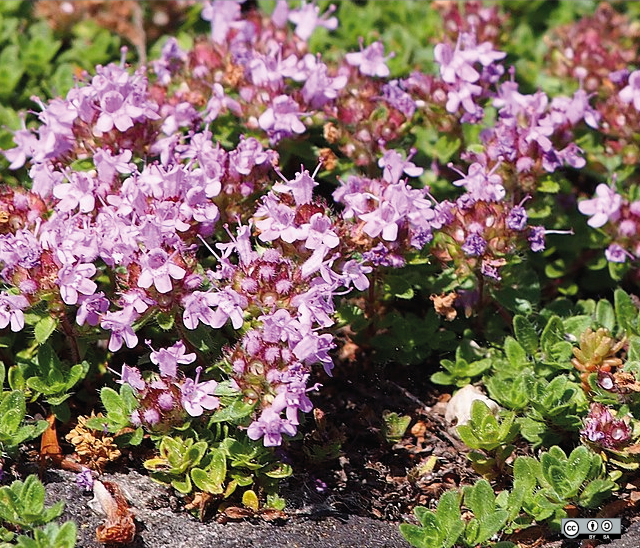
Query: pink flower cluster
pixel 618 218
pixel 133 175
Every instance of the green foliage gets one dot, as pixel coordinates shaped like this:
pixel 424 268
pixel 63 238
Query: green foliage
pixel 22 504
pixel 119 406
pixel 394 426
pixel 177 458
pixel 489 438
pixel 465 367
pixel 541 489
pixel 484 431
pixel 48 376
pixel 51 535
pixel 488 520
pixel 14 430
pixel 578 478
pixel 216 467
pixel 439 529
pixel 555 412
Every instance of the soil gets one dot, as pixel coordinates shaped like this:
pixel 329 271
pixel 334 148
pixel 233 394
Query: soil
pixel 351 487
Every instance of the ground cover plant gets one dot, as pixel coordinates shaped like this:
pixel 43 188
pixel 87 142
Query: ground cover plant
pixel 223 223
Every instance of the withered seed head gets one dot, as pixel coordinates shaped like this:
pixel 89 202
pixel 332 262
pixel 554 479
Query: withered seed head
pixel 94 448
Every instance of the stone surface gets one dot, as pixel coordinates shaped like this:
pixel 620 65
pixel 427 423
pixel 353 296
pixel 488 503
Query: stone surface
pixel 158 526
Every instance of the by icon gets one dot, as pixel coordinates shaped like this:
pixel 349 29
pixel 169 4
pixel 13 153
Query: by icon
pixel 592 525
pixel 571 528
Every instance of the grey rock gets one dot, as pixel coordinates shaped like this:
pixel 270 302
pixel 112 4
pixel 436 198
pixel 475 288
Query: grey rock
pixel 158 526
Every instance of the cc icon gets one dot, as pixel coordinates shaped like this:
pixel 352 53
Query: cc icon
pixel 570 529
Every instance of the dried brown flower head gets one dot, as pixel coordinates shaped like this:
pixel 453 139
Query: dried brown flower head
pixel 444 305
pixel 94 449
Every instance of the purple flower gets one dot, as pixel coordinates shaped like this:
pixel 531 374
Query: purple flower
pixel 280 13
pixel 603 429
pixel 84 480
pixel 606 380
pixel 120 324
pixel 167 359
pixel 116 111
pixel 132 377
pixel 301 186
pixel 354 272
pixel 454 65
pixel 320 234
pixel 314 348
pixel 79 191
pixel 27 146
pixel 107 164
pixel 91 308
pixel 220 102
pixel 278 221
pixel 197 396
pixel 270 426
pixel 277 326
pixel 536 238
pixel 605 207
pixel 171 58
pixel 482 185
pixel 197 308
pixel 475 245
pixel 616 254
pixel 158 269
pixel 248 154
pixel 382 221
pixel 19 249
pixel 74 279
pixel 394 165
pixel 222 15
pixel 631 92
pixel 230 306
pixel 11 307
pixel 308 17
pixel 281 119
pixel 371 60
pixel 319 88
pixel 399 99
pixel 517 218
pixel 490 271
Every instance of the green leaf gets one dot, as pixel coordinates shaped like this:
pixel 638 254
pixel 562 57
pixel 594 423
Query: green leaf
pixel 44 328
pixel 12 410
pixel 165 320
pixel 552 333
pixel 626 312
pixel 233 413
pixel 279 471
pixel 449 518
pixel 420 537
pixel 111 400
pixel 515 353
pixel 525 334
pixel 250 500
pixel 605 315
pixel 440 377
pixel 54 536
pixel 596 492
pixel 182 486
